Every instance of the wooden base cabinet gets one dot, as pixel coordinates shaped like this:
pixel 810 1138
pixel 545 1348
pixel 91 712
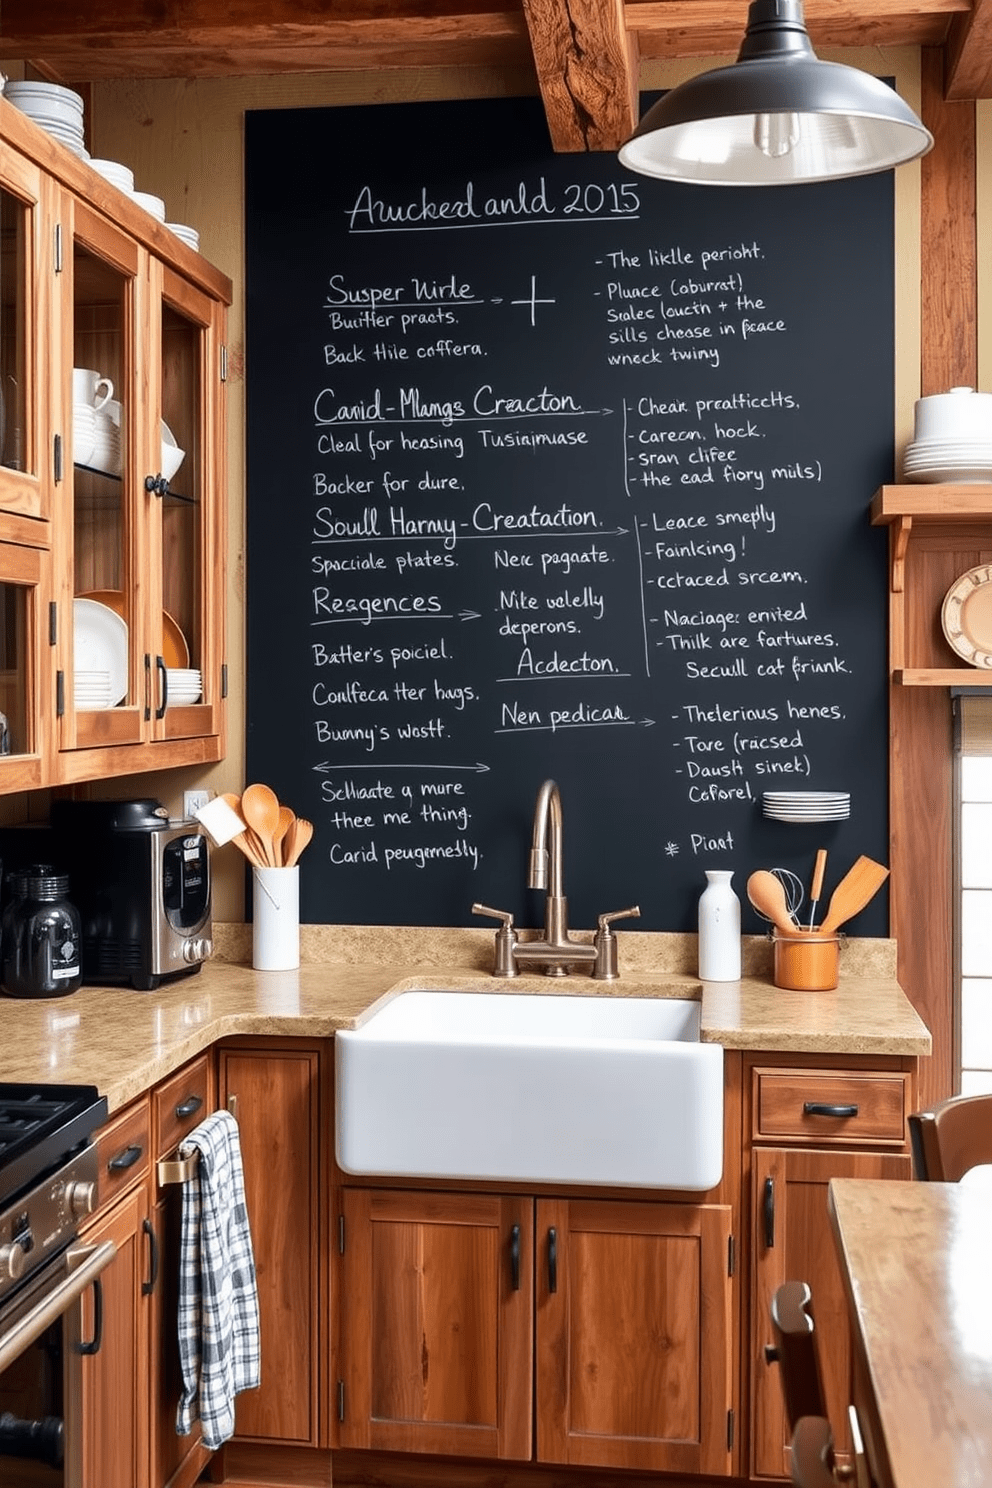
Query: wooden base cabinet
pixel 463 1317
pixel 844 1123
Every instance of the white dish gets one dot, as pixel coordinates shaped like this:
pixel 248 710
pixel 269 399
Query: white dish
pixel 54 93
pixel 951 476
pixel 189 235
pixel 100 644
pixel 119 175
pixel 966 616
pixel 153 204
pixel 172 455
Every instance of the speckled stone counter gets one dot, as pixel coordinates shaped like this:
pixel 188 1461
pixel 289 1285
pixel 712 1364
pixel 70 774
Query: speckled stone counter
pixel 125 1041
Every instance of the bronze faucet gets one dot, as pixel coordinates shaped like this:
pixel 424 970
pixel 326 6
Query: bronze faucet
pixel 556 953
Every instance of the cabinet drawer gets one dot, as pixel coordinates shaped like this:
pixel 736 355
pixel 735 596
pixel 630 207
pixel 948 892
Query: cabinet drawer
pixel 124 1149
pixel 821 1106
pixel 180 1103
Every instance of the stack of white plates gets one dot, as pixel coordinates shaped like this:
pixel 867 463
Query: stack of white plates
pixel 189 235
pixel 956 461
pixel 953 438
pixel 83 433
pixel 99 644
pixel 58 110
pixel 807 806
pixel 153 204
pixel 106 455
pixel 91 689
pixel 185 685
pixel 118 175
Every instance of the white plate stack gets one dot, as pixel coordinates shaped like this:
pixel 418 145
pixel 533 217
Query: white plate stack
pixel 953 442
pixel 118 175
pixel 106 454
pixel 185 685
pixel 153 204
pixel 58 110
pixel 806 806
pixel 91 689
pixel 189 235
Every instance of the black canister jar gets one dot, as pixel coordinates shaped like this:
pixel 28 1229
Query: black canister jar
pixel 41 952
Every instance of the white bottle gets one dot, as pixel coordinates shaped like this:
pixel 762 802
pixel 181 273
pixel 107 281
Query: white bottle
pixel 719 930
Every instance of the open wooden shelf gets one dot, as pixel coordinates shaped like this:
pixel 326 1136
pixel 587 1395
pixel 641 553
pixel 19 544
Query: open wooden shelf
pixel 936 533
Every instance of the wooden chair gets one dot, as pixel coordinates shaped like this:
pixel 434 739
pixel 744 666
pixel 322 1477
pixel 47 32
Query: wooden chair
pixel 951 1137
pixel 813 1461
pixel 795 1351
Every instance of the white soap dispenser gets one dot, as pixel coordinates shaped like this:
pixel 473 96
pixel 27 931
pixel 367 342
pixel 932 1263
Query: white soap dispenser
pixel 719 929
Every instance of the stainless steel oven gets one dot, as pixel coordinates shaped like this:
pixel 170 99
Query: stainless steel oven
pixel 48 1184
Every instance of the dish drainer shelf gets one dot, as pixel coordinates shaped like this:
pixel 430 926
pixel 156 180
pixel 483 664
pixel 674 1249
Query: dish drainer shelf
pixel 936 533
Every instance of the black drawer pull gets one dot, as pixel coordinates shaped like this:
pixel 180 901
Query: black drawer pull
pixel 552 1260
pixel 188 1107
pixel 824 1108
pixel 124 1160
pixel 515 1258
pixel 768 1213
pixel 93 1344
pixel 147 1287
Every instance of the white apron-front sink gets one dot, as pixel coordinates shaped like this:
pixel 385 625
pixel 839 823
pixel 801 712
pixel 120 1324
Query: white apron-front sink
pixel 529 1088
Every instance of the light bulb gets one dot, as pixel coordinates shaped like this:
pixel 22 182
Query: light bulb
pixel 776 134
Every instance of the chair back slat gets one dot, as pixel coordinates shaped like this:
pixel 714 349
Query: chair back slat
pixel 951 1137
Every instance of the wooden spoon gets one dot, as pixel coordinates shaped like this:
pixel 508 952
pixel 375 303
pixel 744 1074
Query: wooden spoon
pixel 297 838
pixel 860 883
pixel 260 809
pixel 247 841
pixel 286 819
pixel 767 894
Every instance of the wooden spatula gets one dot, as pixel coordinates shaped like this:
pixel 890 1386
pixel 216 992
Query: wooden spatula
pixel 860 883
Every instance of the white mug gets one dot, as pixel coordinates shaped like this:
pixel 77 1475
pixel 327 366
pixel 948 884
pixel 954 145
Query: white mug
pixel 90 389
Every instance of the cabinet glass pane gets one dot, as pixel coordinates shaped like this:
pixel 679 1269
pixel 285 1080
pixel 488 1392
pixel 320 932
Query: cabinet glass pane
pixel 14 717
pixel 182 510
pixel 100 461
pixel 13 269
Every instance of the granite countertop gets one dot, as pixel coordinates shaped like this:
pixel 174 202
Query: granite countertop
pixel 125 1041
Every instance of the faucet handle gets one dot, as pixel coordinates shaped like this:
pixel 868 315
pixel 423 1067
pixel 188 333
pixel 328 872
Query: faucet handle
pixel 506 940
pixel 494 914
pixel 605 920
pixel 605 968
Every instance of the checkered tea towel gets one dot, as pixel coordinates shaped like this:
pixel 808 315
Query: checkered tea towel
pixel 218 1300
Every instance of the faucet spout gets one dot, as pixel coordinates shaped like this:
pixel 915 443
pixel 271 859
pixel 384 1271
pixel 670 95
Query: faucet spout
pixel 545 857
pixel 556 952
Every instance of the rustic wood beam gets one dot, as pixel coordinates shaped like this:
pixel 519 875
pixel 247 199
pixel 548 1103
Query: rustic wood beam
pixel 968 54
pixel 706 28
pixel 587 71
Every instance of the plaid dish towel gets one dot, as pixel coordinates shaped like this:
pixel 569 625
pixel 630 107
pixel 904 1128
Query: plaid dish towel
pixel 218 1300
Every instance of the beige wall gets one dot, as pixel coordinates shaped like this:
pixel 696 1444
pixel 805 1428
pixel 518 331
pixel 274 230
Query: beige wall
pixel 184 139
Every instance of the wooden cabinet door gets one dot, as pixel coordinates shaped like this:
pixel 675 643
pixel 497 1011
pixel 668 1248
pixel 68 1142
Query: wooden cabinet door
pixel 634 1335
pixel 114 1380
pixel 276 1103
pixel 793 1242
pixel 435 1316
pixel 27 252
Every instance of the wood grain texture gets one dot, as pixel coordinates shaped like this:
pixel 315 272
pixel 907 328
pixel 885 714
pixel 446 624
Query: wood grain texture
pixel 880 1101
pixel 968 57
pixel 949 305
pixel 587 70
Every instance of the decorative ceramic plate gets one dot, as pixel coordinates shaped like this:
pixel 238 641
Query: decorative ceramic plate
pixel 100 644
pixel 175 651
pixel 966 616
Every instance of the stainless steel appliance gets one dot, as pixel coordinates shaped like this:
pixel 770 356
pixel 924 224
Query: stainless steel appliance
pixel 48 1184
pixel 141 883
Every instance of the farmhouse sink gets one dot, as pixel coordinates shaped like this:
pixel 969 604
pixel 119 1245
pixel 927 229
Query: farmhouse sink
pixel 531 1088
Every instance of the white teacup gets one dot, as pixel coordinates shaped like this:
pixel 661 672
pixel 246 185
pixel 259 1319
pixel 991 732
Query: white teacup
pixel 90 389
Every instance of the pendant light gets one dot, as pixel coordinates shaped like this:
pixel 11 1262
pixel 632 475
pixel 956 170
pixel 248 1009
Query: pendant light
pixel 777 116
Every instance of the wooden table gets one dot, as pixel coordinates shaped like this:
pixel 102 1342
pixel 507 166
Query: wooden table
pixel 916 1259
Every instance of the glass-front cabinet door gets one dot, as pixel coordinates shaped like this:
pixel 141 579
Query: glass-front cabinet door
pixel 104 686
pixel 183 486
pixel 25 666
pixel 25 455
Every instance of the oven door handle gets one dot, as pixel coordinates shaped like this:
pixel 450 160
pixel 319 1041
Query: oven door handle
pixel 86 1263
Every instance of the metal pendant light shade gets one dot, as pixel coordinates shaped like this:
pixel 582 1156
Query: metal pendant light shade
pixel 777 116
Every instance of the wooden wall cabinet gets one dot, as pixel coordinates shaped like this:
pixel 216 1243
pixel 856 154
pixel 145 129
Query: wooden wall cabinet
pixel 809 1123
pixel 463 1317
pixel 90 280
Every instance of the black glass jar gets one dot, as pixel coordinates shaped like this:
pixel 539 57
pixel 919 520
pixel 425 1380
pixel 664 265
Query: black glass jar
pixel 41 950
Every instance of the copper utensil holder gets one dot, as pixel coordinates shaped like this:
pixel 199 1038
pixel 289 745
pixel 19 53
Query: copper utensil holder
pixel 807 962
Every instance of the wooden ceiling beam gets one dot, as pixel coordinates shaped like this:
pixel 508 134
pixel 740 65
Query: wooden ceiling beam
pixel 968 55
pixel 587 71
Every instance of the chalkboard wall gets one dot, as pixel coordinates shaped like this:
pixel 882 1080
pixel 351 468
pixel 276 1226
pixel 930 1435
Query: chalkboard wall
pixel 556 471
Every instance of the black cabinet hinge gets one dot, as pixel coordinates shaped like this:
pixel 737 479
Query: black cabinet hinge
pixel 223 680
pixel 53 623
pixel 59 694
pixel 223 364
pixel 731 1255
pixel 340 1400
pixel 730 1429
pixel 340 1234
pixel 57 248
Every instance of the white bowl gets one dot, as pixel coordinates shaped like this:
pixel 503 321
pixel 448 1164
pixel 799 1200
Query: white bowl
pixel 46 100
pixel 118 175
pixel 172 455
pixel 188 235
pixel 153 204
pixel 959 414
